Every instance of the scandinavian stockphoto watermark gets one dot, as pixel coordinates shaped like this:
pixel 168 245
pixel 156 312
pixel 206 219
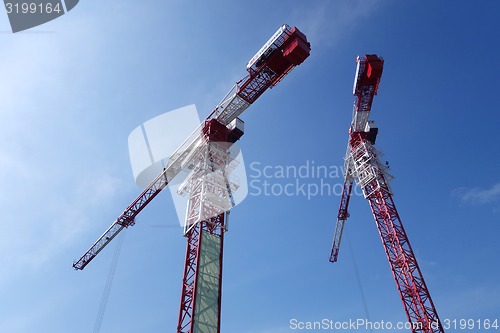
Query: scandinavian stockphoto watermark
pixel 308 180
pixel 357 325
pixel 26 14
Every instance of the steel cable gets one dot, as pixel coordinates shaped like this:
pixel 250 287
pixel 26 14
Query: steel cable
pixel 108 285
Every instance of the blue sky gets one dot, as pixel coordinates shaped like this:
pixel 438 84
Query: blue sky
pixel 73 89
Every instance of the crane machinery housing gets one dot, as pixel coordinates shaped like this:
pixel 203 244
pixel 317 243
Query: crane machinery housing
pixel 205 157
pixel 362 165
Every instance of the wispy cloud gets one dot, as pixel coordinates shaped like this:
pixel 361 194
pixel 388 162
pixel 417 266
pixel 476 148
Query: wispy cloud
pixel 477 195
pixel 59 187
pixel 329 21
pixel 49 188
pixel 458 304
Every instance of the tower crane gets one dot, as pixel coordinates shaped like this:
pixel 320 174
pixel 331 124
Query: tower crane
pixel 363 166
pixel 205 157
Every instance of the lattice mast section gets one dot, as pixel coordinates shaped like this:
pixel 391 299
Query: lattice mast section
pixel 210 189
pixel 363 166
pixel 200 306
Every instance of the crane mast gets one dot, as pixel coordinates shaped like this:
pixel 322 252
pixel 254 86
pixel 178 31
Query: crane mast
pixel 363 166
pixel 206 159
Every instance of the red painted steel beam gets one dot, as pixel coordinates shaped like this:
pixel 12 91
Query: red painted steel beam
pixel 415 296
pixel 215 226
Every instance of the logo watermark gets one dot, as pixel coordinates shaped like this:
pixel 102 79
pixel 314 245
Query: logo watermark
pixel 168 140
pixel 358 324
pixel 26 14
pixel 307 180
pixel 364 324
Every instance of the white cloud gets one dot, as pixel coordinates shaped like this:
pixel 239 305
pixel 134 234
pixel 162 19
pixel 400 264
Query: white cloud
pixel 477 195
pixel 50 186
pixel 321 27
pixel 485 296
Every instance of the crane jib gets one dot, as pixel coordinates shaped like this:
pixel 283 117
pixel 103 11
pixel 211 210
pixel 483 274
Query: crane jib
pixel 126 219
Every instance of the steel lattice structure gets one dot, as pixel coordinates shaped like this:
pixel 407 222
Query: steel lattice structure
pixel 195 274
pixel 209 185
pixel 363 166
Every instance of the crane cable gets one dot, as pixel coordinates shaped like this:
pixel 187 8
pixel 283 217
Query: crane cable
pixel 358 280
pixel 107 286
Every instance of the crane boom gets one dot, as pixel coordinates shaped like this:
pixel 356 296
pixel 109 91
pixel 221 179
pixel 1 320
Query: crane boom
pixel 288 49
pixel 341 218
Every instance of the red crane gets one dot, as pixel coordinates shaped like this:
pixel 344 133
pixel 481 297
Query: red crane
pixel 205 156
pixel 363 166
